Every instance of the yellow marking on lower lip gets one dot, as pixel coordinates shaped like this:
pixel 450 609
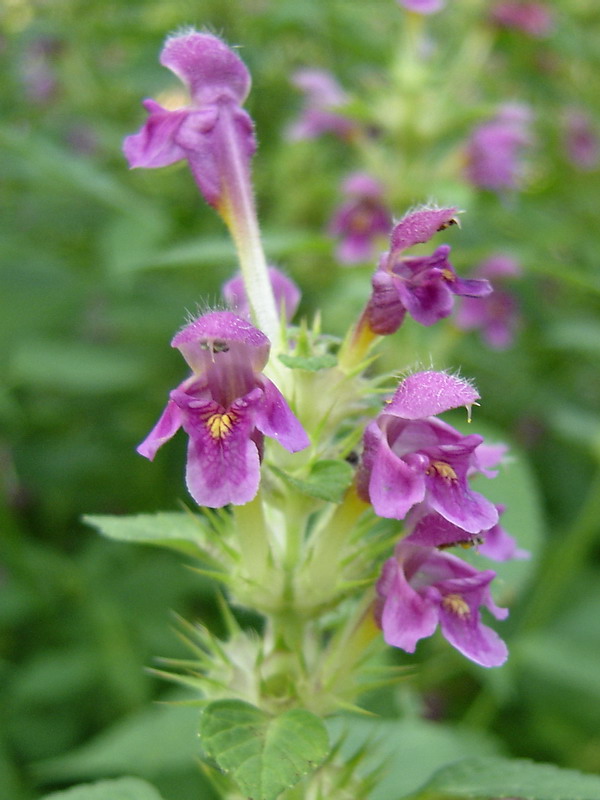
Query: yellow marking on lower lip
pixel 443 469
pixel 456 605
pixel 220 425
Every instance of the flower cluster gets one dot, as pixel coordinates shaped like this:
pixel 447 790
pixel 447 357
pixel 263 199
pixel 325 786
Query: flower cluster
pixel 414 466
pixel 417 467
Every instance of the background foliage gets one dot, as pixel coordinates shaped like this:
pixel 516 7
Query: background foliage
pixel 99 266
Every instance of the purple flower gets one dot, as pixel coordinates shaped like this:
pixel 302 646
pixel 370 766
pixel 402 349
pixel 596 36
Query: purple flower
pixel 429 529
pixel 213 133
pixel 324 98
pixel 226 408
pixel 495 149
pixel 497 315
pixel 38 69
pixel 581 140
pixel 422 285
pixel 360 220
pixel 534 19
pixel 421 587
pixel 285 290
pixel 410 457
pixel 422 6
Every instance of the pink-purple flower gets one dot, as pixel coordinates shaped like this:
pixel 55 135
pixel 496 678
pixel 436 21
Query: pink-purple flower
pixel 412 458
pixel 534 19
pixel 421 588
pixel 581 140
pixel 361 219
pixel 497 315
pixel 287 294
pixel 423 6
pixel 423 286
pixel 226 407
pixel 324 98
pixel 496 148
pixel 213 132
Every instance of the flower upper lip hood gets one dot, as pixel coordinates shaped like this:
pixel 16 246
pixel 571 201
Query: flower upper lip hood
pixel 210 69
pixel 202 338
pixel 285 291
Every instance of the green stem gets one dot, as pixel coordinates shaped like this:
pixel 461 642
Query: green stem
pixel 252 533
pixel 238 209
pixel 329 547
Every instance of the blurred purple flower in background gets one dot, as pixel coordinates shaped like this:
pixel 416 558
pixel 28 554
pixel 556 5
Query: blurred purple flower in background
pixel 535 19
pixel 581 140
pixel 324 97
pixel 423 6
pixel 226 408
pixel 38 69
pixel 285 290
pixel 497 315
pixel 420 587
pixel 360 220
pixel 495 149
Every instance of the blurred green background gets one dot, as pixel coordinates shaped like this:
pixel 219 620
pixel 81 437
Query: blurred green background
pixel 99 268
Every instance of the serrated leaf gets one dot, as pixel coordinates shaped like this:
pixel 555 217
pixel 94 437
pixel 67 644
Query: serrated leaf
pixel 120 789
pixel 498 778
pixel 264 754
pixel 309 363
pixel 176 530
pixel 328 480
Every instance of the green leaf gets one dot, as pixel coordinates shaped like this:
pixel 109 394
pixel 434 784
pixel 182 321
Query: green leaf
pixel 155 741
pixel 485 778
pixel 177 530
pixel 76 367
pixel 328 480
pixel 406 751
pixel 264 754
pixel 309 363
pixel 120 789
